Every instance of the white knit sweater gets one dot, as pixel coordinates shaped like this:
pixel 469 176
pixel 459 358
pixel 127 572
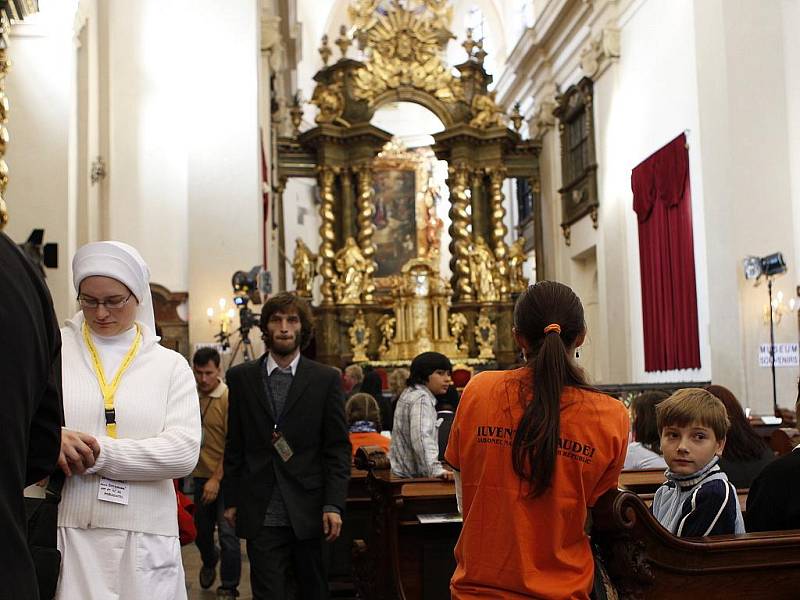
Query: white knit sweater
pixel 158 436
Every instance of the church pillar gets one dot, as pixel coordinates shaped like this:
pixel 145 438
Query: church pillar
pixel 366 229
pixel 477 201
pixel 279 221
pixel 348 203
pixel 327 233
pixel 497 176
pixel 460 233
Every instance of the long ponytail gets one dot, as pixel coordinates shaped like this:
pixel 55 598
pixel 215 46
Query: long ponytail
pixel 550 317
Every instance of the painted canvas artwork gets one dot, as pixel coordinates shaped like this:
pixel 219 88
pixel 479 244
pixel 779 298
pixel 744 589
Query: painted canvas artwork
pixel 395 235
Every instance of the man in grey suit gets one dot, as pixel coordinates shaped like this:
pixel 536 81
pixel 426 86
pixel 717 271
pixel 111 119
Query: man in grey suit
pixel 287 455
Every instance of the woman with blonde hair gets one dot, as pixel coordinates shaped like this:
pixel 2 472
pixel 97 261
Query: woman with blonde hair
pixel 132 425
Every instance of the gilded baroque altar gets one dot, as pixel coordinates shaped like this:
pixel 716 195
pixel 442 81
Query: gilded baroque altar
pixel 382 296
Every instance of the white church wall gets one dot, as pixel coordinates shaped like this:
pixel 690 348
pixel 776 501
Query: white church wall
pixel 645 101
pixel 224 180
pixel 147 134
pixel 791 55
pixel 745 108
pixel 39 88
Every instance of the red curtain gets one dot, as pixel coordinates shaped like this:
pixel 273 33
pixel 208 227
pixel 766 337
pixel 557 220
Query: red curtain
pixel 663 204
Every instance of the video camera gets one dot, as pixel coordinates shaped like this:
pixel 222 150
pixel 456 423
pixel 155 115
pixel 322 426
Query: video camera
pixel 245 290
pixel 40 254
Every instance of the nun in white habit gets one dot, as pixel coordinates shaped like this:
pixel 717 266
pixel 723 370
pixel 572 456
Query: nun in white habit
pixel 132 425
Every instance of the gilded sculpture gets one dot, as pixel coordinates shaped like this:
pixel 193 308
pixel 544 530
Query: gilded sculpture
pixel 406 44
pixel 516 259
pixel 458 329
pixel 304 267
pixel 359 338
pixel 329 99
pixel 485 334
pixel 386 325
pixel 351 266
pixel 486 112
pixel 482 271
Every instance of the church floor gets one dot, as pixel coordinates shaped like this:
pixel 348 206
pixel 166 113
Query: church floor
pixel 192 564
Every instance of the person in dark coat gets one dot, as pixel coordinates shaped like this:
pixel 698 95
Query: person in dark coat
pixel 32 413
pixel 287 456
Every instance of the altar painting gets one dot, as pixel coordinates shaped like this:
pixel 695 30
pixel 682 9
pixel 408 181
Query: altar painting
pixel 394 219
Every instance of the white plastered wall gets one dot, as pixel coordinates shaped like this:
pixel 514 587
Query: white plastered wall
pixel 38 88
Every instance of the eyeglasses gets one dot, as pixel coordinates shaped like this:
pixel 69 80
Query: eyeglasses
pixel 110 303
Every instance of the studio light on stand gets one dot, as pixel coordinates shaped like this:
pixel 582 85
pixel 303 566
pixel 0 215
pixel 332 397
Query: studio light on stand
pixel 769 267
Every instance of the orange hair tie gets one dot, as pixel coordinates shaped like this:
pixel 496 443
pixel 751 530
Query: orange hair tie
pixel 553 327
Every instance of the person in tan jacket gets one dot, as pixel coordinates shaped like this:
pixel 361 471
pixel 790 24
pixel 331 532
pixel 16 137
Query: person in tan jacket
pixel 207 476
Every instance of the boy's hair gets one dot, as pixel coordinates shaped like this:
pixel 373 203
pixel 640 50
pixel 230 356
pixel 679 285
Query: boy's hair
pixel 693 405
pixel 363 407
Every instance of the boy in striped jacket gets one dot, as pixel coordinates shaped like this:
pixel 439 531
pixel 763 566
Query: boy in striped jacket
pixel 697 499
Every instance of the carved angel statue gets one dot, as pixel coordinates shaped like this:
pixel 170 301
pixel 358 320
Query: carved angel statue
pixel 482 267
pixel 351 265
pixel 386 325
pixel 486 112
pixel 304 268
pixel 485 334
pixel 517 258
pixel 458 329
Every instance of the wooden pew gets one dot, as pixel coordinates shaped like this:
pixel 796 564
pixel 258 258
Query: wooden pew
pixel 783 440
pixel 406 559
pixel 356 524
pixel 645 481
pixel 645 561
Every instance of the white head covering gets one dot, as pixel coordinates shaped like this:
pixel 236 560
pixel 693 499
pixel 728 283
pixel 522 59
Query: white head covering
pixel 123 263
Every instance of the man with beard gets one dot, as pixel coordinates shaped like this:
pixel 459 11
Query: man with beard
pixel 287 455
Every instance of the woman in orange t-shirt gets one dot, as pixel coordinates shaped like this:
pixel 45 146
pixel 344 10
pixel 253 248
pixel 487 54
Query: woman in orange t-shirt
pixel 533 449
pixel 364 420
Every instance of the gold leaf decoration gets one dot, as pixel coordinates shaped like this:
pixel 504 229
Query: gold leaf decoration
pixel 405 47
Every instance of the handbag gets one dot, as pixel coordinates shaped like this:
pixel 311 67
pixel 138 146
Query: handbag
pixel 187 530
pixel 42 519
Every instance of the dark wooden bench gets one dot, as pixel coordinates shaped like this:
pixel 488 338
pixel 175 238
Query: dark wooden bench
pixel 404 559
pixel 645 561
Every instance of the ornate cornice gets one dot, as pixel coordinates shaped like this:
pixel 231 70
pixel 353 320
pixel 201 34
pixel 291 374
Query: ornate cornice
pixel 600 53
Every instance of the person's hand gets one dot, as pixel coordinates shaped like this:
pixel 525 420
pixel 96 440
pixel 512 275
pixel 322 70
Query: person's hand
pixel 230 516
pixel 331 525
pixel 447 475
pixel 79 451
pixel 210 491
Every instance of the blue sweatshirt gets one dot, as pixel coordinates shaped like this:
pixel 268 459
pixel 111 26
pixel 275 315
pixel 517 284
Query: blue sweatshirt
pixel 700 504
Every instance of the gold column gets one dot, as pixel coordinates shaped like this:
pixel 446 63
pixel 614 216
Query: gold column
pixel 327 176
pixel 497 176
pixel 366 228
pixel 460 234
pixel 5 29
pixel 348 203
pixel 479 225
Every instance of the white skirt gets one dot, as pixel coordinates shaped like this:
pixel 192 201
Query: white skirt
pixel 114 564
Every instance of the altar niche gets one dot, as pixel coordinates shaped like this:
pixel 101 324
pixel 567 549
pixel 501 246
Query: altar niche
pixel 374 234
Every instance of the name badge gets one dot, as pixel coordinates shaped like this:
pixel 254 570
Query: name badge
pixel 113 491
pixel 281 446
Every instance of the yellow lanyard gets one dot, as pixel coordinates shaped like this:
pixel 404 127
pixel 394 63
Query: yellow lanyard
pixel 108 390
